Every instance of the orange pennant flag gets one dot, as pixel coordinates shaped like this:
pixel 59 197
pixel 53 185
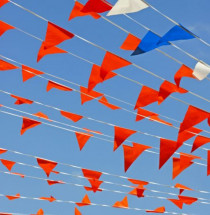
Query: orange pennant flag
pixel 187 200
pixel 76 11
pixel 4 27
pixel 98 6
pixel 147 96
pixel 53 50
pixel 28 73
pixel 167 149
pixel 208 162
pixel 17 196
pixel 72 116
pixel 42 115
pixel 8 164
pixel 82 139
pixel 77 212
pixel 177 202
pixel 184 71
pixel 182 188
pixel 87 95
pixel 156 118
pixel 121 204
pixel 95 184
pixel 142 113
pixel 46 165
pixel 95 77
pixel 50 199
pixel 199 141
pixel 52 84
pixel 6 66
pixel 140 183
pixel 166 89
pixel 85 201
pixel 91 174
pixel 105 102
pixel 121 134
pixel 21 100
pixel 2 151
pixel 3 2
pixel 88 130
pixel 28 124
pixel 19 174
pixel 131 153
pixel 159 210
pixel 192 117
pixel 112 62
pixel 131 43
pixel 40 212
pixel 51 182
pixel 139 192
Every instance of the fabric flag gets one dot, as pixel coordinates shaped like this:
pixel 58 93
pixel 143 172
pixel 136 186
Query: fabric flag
pixel 105 102
pixel 82 139
pixel 159 210
pixel 120 135
pixel 4 27
pixel 51 182
pixel 142 114
pixel 91 174
pixel 139 192
pixel 167 149
pixel 182 188
pixel 178 32
pixel 42 115
pixel 121 204
pixel 199 141
pixel 2 151
pixel 95 184
pixel 87 95
pixel 21 100
pixel 88 130
pixel 147 96
pixel 28 73
pixel 201 71
pixel 46 165
pixel 19 174
pixel 192 117
pixel 177 202
pixel 8 164
pixel 208 162
pixel 77 212
pixel 77 11
pixel 184 71
pixel 6 66
pixel 3 2
pixel 166 89
pixel 156 118
pixel 40 212
pixel 97 6
pixel 28 124
pixel 131 153
pixel 17 196
pixel 72 116
pixel 140 184
pixel 50 199
pixel 187 199
pixel 95 77
pixel 112 62
pixel 131 42
pixel 53 50
pixel 55 85
pixel 85 201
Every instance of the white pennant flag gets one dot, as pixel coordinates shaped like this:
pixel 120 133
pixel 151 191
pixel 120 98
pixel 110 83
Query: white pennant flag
pixel 127 6
pixel 201 71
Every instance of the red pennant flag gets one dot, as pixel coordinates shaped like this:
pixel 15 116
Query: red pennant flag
pixel 85 201
pixel 139 192
pixel 193 117
pixel 6 66
pixel 131 42
pixel 53 50
pixel 91 174
pixel 77 212
pixel 42 115
pixel 50 199
pixel 28 124
pixel 28 72
pixel 3 2
pixel 199 141
pixel 72 116
pixel 167 149
pixel 187 200
pixel 140 184
pixel 159 210
pixel 2 151
pixel 121 134
pixel 82 139
pixel 55 85
pixel 147 96
pixel 95 77
pixel 112 62
pixel 40 212
pixel 88 130
pixel 156 118
pixel 184 71
pixel 98 6
pixel 17 196
pixel 177 202
pixel 166 89
pixel 121 204
pixel 8 164
pixel 182 188
pixel 21 100
pixel 19 174
pixel 76 11
pixel 105 102
pixel 131 153
pixel 4 27
pixel 95 184
pixel 46 165
pixel 208 162
pixel 142 113
pixel 87 95
pixel 51 182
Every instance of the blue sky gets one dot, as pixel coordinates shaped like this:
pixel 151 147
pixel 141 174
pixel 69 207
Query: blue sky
pixel 60 145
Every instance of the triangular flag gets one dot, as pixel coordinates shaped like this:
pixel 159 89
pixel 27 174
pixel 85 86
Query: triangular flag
pixel 51 182
pixel 121 204
pixel 42 115
pixel 52 84
pixel 77 212
pixel 121 134
pixel 8 164
pixel 199 141
pixel 131 153
pixel 4 27
pixel 142 113
pixel 139 192
pixel 105 102
pixel 131 42
pixel 95 184
pixel 177 202
pixel 91 174
pixel 72 116
pixel 21 100
pixel 85 201
pixel 2 151
pixel 19 174
pixel 88 130
pixel 201 71
pixel 28 124
pixel 208 162
pixel 50 199
pixel 46 165
pixel 181 188
pixel 76 11
pixel 155 117
pixel 40 212
pixel 82 139
pixel 138 182
pixel 98 6
pixel 127 6
pixel 87 95
pixel 157 210
pixel 3 2
pixel 187 199
pixel 6 66
pixel 28 73
pixel 17 196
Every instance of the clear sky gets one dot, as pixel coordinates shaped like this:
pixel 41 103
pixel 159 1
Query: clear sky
pixel 60 145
